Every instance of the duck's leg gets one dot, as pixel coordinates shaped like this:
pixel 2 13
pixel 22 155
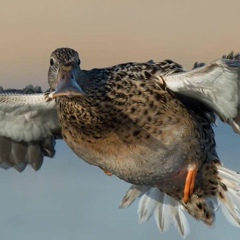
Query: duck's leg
pixel 107 172
pixel 189 183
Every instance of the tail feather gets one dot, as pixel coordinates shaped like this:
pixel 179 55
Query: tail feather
pixel 181 222
pixel 132 194
pixel 148 204
pixel 229 195
pixel 165 212
pixel 168 211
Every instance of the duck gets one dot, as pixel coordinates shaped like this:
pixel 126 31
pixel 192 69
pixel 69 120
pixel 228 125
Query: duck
pixel 149 124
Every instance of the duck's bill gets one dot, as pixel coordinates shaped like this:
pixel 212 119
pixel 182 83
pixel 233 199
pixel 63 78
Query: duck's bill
pixel 66 83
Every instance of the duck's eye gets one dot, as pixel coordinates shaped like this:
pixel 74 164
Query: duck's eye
pixel 51 61
pixel 78 61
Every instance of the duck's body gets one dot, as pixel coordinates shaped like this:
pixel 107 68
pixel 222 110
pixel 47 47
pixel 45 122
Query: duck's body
pixel 130 125
pixel 135 129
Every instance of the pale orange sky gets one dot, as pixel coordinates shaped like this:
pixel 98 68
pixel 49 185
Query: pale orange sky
pixel 108 32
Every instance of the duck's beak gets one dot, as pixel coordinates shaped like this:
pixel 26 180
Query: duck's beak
pixel 66 83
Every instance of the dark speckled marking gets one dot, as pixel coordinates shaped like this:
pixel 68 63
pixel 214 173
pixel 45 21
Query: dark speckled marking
pixel 136 133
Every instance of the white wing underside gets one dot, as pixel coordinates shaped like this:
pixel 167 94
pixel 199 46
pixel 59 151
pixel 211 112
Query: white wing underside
pixel 28 128
pixel 216 85
pixel 27 117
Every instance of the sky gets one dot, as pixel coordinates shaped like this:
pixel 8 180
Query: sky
pixel 66 198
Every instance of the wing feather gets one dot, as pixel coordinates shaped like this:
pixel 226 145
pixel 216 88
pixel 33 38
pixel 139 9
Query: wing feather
pixel 27 117
pixel 216 85
pixel 28 128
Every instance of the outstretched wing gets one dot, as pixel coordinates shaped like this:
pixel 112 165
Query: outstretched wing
pixel 28 128
pixel 216 85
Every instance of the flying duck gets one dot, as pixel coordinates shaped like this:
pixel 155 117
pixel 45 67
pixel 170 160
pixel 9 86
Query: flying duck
pixel 149 124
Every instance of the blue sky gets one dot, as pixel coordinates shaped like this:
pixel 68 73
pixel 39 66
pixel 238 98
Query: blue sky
pixel 68 199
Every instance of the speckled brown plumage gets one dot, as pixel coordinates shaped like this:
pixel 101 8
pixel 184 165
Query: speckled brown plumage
pixel 128 124
pixel 126 120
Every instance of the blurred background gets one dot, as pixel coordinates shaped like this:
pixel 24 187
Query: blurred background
pixel 68 199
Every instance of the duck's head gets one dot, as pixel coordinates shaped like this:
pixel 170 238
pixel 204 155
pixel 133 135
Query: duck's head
pixel 64 73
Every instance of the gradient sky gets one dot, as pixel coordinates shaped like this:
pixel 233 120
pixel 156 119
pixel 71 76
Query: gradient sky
pixel 68 199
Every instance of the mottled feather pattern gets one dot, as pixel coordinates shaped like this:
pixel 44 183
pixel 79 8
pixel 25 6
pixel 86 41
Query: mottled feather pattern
pixel 131 120
pixel 110 92
pixel 134 103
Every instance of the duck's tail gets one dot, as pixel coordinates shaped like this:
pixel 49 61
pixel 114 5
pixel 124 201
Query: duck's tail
pixel 168 211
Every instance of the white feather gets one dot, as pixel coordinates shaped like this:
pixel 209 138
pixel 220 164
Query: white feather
pixel 181 222
pixel 167 211
pixel 27 117
pixel 147 204
pixel 132 194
